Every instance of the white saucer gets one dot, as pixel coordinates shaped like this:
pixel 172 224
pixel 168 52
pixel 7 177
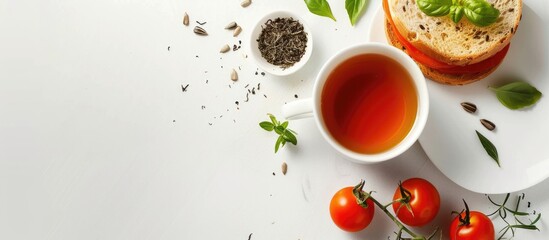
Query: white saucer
pixel 521 136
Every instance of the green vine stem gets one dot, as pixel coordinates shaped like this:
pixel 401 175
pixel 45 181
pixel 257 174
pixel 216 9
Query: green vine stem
pixel 362 196
pixel 395 220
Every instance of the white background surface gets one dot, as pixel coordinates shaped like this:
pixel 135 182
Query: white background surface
pixel 97 140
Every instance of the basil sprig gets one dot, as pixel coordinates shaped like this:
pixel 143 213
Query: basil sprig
pixel 517 95
pixel 285 134
pixel 354 9
pixel 320 7
pixel 478 12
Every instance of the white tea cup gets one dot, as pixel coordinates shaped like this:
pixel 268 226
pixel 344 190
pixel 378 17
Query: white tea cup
pixel 312 107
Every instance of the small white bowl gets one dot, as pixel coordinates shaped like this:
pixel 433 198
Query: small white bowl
pixel 256 54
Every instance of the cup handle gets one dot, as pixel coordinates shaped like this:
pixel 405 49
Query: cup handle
pixel 298 109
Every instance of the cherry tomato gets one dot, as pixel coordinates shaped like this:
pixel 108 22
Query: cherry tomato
pixel 471 226
pixel 347 214
pixel 423 200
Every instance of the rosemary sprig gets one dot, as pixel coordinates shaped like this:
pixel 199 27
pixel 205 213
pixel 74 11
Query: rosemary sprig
pixel 503 211
pixel 285 134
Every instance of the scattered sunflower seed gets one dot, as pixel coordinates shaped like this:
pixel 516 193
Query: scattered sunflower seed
pixel 469 107
pixel 487 124
pixel 200 31
pixel 234 75
pixel 186 19
pixel 231 26
pixel 284 168
pixel 237 31
pixel 246 3
pixel 225 48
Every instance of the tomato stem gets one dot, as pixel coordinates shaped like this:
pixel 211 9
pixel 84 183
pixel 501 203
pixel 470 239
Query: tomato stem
pixel 396 221
pixel 467 220
pixel 406 195
pixel 393 202
pixel 360 195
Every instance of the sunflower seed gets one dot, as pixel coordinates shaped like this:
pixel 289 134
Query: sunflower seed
pixel 487 124
pixel 237 31
pixel 231 26
pixel 246 3
pixel 469 107
pixel 225 48
pixel 200 31
pixel 284 168
pixel 186 19
pixel 234 75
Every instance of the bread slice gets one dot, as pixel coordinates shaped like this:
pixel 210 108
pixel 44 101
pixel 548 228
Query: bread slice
pixel 456 44
pixel 433 74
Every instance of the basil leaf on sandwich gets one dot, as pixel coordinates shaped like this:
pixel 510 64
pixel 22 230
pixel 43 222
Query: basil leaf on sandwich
pixel 478 12
pixel 435 8
pixel 456 13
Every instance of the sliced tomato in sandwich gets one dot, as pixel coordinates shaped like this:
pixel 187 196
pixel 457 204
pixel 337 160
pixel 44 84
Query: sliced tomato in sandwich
pixel 443 67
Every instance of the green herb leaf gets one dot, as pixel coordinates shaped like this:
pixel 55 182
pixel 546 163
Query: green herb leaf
pixel 517 95
pixel 279 129
pixel 489 147
pixel 278 142
pixel 273 119
pixel 537 219
pixel 435 8
pixel 320 8
pixel 527 227
pixel 290 137
pixel 284 124
pixel 354 9
pixel 268 126
pixel 456 13
pixel 480 12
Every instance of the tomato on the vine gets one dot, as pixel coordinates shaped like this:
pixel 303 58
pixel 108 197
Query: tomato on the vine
pixel 416 202
pixel 351 209
pixel 471 225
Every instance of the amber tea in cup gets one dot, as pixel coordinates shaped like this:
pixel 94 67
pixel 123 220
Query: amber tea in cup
pixel 369 103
